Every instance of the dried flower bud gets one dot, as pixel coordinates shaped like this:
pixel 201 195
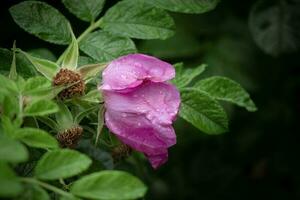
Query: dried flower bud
pixel 65 77
pixel 70 137
pixel 121 152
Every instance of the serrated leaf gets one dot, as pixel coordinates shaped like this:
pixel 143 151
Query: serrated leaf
pixel 12 151
pixel 202 111
pixel 225 89
pixel 40 107
pixel 62 163
pixel 42 20
pixel 143 21
pixel 103 46
pixel 72 53
pixel 10 184
pixel 85 10
pixel 185 6
pixel 34 192
pixel 45 67
pixel 109 185
pixel 184 76
pixel 274 26
pixel 38 138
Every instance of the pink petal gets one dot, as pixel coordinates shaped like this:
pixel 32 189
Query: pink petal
pixel 158 102
pixel 158 160
pixel 137 132
pixel 131 70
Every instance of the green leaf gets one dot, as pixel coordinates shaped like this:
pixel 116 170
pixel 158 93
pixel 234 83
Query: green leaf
pixel 109 185
pixel 92 70
pixel 62 163
pixel 225 89
pixel 45 67
pixel 64 117
pixel 103 46
pixel 36 83
pixel 184 76
pixel 204 112
pixel 43 53
pixel 36 138
pixel 185 6
pixel 10 106
pixel 40 107
pixel 85 10
pixel 10 184
pixel 273 26
pixel 71 55
pixel 42 20
pixel 38 88
pixel 12 151
pixel 85 60
pixel 24 67
pixel 34 192
pixel 93 96
pixel 8 84
pixel 143 21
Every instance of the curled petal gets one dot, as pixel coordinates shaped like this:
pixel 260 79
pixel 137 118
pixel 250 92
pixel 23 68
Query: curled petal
pixel 131 70
pixel 158 102
pixel 140 134
pixel 158 159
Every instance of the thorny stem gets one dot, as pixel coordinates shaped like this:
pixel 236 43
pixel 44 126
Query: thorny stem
pixel 92 27
pixel 47 186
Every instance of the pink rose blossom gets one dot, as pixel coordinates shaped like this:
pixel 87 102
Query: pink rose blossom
pixel 140 105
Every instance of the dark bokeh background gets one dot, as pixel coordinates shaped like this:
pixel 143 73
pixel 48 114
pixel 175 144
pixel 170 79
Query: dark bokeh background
pixel 259 157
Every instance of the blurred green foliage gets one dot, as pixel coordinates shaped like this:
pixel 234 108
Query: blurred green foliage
pixel 258 157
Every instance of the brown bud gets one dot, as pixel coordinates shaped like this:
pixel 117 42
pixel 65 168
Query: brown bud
pixel 121 152
pixel 70 137
pixel 66 77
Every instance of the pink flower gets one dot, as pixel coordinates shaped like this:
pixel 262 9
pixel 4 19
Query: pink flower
pixel 140 105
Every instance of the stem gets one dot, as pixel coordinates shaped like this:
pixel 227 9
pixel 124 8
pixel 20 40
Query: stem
pixel 92 27
pixel 47 186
